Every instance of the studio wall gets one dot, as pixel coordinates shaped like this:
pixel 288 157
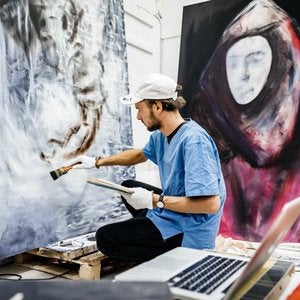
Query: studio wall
pixel 63 69
pixel 240 68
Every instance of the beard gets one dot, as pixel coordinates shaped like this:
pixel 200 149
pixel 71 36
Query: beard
pixel 153 127
pixel 155 124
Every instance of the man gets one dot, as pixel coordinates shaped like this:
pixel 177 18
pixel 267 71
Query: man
pixel 187 210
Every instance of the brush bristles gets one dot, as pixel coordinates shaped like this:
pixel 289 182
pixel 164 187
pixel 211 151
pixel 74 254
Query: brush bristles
pixel 57 173
pixel 54 175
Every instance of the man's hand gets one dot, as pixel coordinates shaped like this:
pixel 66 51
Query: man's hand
pixel 141 198
pixel 82 162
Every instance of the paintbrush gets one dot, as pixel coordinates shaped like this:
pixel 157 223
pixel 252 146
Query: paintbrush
pixel 61 171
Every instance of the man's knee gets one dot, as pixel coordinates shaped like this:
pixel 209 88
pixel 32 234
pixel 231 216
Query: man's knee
pixel 107 241
pixel 103 235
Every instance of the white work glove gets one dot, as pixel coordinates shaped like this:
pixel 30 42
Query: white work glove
pixel 82 162
pixel 141 198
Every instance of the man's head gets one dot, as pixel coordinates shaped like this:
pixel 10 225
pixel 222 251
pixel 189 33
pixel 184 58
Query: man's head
pixel 154 97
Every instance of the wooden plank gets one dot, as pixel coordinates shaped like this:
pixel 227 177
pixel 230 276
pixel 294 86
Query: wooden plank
pixel 86 267
pixel 91 259
pixel 90 272
pixel 22 258
pixel 80 253
pixel 68 255
pixel 54 270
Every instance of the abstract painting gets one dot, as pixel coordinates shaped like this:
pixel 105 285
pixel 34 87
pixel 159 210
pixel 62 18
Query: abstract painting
pixel 240 71
pixel 63 69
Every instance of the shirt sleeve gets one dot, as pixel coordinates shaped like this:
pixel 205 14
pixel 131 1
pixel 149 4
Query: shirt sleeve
pixel 201 167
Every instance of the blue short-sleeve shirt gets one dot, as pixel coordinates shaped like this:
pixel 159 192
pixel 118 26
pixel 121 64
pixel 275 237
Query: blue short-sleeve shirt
pixel 188 166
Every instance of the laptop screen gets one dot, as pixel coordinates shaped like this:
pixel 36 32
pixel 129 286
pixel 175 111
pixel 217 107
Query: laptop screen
pixel 288 215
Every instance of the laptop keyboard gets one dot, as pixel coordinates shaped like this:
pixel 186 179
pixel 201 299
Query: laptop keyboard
pixel 207 274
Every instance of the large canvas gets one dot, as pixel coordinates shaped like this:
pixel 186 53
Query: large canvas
pixel 63 69
pixel 240 69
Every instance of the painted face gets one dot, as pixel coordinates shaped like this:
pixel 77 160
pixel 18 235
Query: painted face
pixel 146 115
pixel 248 63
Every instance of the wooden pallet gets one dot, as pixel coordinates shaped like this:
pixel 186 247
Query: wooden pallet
pixel 76 265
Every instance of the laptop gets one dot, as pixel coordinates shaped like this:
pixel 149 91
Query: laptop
pixel 207 274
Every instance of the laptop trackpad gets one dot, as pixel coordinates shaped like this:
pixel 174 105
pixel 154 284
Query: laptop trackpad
pixel 168 263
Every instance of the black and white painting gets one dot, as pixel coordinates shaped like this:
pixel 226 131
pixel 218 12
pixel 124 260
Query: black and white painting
pixel 63 69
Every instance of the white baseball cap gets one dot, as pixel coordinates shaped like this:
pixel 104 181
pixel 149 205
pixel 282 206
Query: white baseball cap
pixel 153 86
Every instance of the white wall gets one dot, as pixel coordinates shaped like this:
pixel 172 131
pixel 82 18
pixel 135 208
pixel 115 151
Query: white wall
pixel 171 34
pixel 152 30
pixel 142 30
